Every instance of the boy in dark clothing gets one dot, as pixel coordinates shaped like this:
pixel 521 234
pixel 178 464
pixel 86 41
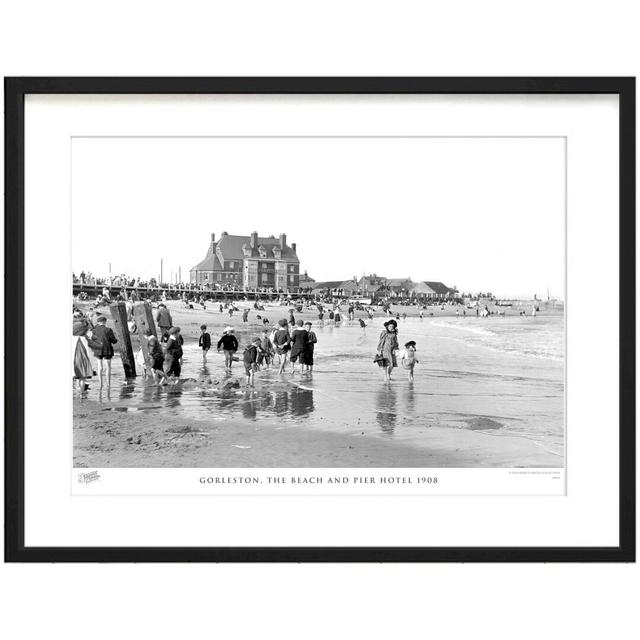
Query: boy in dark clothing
pixel 164 320
pixel 250 358
pixel 229 343
pixel 102 341
pixel 307 355
pixel 204 342
pixel 266 350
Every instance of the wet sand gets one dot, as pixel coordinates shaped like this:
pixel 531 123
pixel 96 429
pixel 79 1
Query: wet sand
pixel 343 415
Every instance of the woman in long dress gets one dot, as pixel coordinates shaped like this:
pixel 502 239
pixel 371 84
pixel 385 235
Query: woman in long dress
pixel 387 346
pixel 80 351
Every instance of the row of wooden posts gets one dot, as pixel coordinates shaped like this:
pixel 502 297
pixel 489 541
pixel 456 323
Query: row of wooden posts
pixel 143 316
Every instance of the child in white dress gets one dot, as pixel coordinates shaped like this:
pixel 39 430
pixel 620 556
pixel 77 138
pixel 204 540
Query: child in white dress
pixel 409 360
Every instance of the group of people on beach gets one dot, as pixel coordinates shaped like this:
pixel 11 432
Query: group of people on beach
pixel 388 352
pixel 292 344
pixel 92 339
pixel 289 342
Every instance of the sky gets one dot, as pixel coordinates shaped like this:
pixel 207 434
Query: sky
pixel 482 214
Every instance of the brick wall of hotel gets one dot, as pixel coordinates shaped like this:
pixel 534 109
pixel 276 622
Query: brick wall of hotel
pixel 249 262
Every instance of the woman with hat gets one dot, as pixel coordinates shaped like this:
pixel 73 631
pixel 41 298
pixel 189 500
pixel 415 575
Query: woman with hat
pixel 80 351
pixel 387 346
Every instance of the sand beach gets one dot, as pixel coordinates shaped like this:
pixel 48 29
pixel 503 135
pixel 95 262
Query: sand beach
pixel 488 392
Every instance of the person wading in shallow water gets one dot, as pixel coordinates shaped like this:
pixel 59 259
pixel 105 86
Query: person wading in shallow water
pixel 299 340
pixel 229 344
pixel 282 343
pixel 173 354
pixel 309 348
pixel 156 358
pixel 164 320
pixel 387 346
pixel 102 342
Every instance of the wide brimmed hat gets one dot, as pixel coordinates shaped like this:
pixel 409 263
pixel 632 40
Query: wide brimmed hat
pixel 411 343
pixel 393 322
pixel 228 329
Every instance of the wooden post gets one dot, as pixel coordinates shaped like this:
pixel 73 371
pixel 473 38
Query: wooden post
pixel 143 316
pixel 119 315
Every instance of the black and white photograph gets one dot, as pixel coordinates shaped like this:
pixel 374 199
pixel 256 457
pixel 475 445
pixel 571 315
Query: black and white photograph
pixel 318 301
pixel 363 317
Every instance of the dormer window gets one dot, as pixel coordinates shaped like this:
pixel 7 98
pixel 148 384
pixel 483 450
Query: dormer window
pixel 246 250
pixel 277 252
pixel 262 251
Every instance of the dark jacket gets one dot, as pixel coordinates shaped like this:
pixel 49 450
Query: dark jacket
pixel 205 340
pixel 102 341
pixel 163 318
pixel 173 348
pixel 250 354
pixel 300 339
pixel 228 342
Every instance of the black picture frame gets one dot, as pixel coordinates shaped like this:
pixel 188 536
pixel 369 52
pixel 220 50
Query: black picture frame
pixel 15 91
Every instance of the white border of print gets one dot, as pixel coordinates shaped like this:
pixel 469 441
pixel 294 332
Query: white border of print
pixel 54 517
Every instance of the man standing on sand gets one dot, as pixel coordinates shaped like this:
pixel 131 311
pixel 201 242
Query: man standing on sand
pixel 229 343
pixel 164 320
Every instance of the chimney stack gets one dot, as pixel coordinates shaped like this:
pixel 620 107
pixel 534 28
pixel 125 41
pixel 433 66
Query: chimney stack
pixel 254 240
pixel 283 240
pixel 293 246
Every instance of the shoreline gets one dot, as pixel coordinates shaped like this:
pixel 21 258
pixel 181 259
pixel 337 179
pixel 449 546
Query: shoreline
pixel 343 415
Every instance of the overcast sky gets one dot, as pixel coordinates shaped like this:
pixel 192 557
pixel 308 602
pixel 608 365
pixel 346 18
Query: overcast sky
pixel 484 214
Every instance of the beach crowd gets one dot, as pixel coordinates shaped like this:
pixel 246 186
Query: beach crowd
pixel 288 346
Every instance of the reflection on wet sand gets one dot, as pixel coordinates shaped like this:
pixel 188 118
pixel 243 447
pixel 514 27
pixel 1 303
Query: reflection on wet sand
pixel 249 405
pixel 174 393
pixel 301 401
pixel 386 409
pixel 204 400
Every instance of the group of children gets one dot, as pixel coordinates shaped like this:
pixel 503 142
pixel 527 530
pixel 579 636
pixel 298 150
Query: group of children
pixel 295 345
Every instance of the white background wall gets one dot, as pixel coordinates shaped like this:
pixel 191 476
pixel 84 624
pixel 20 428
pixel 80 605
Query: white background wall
pixel 331 38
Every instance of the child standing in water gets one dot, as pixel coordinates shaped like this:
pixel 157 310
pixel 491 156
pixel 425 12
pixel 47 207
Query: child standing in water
pixel 409 360
pixel 250 358
pixel 266 350
pixel 204 342
pixel 309 348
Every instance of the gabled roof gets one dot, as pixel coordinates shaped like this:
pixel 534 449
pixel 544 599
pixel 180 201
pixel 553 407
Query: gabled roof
pixel 231 248
pixel 398 282
pixel 210 263
pixel 331 284
pixel 438 287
